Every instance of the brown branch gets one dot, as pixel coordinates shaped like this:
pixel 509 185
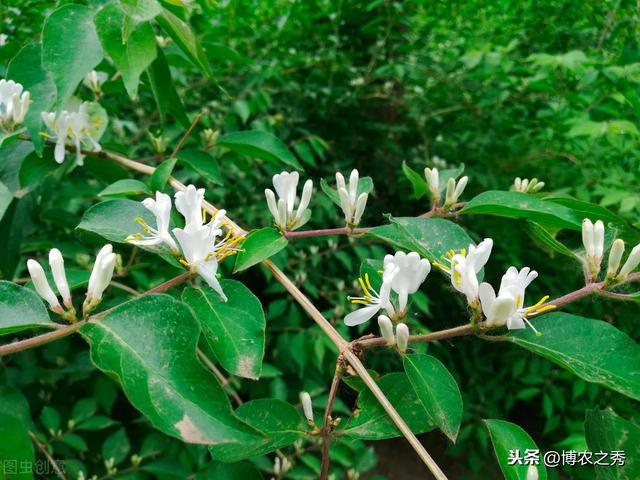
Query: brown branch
pixel 224 381
pixel 45 452
pixel 186 135
pixel 327 426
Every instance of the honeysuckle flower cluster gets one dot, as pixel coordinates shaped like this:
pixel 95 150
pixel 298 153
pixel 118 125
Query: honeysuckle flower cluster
pixel 351 203
pixel 615 273
pixel 197 244
pixel 98 282
pixel 14 104
pixel 453 191
pixel 525 185
pixel 401 336
pixel 70 128
pixel 287 217
pixel 403 273
pixel 94 80
pixel 593 240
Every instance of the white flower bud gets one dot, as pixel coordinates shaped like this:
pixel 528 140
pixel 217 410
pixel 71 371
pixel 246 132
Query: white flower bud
pixel 615 256
pixel 361 203
pixel 307 407
pixel 59 276
pixel 598 237
pixel 386 329
pixel 593 240
pixel 632 262
pixel 402 337
pixel 101 273
pixel 433 180
pixel 42 285
pixel 587 236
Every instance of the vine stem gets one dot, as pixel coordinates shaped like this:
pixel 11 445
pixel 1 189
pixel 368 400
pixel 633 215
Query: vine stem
pixel 186 134
pixel 45 452
pixel 326 421
pixel 327 231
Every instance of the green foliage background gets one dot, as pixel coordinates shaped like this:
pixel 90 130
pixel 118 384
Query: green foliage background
pixel 543 89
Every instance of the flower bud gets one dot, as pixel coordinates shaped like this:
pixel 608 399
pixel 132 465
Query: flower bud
pixel 632 262
pixel 59 276
pixel 615 256
pixel 307 407
pixel 101 273
pixel 402 337
pixel 42 285
pixel 386 329
pixel 433 180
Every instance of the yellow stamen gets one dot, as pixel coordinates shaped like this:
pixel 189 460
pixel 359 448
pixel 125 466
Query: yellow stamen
pixel 204 216
pixel 144 224
pixel 363 286
pixel 534 308
pixel 518 301
pixel 366 277
pixel 361 302
pixel 546 308
pixel 184 262
pixel 440 266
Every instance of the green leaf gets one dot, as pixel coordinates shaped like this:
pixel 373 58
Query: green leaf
pixel 160 176
pixel 259 144
pixel 202 163
pixel 35 168
pixel 26 68
pixel 430 237
pixel 371 422
pixel 75 441
pixel 365 185
pixel 6 197
pixel 116 447
pixel 114 220
pixel 84 408
pixel 70 48
pixel 141 10
pixel 20 309
pixel 418 182
pixel 234 329
pixel 591 349
pixel 280 422
pixel 164 91
pixel 437 390
pixel 523 205
pixel 229 471
pixel 181 33
pixel 125 187
pixel 258 246
pixel 507 436
pixel 16 447
pixel 608 432
pixel 546 239
pixel 149 346
pixel 131 57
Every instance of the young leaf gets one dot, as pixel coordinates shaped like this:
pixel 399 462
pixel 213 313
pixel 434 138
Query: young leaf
pixel 70 48
pixel 116 447
pixel 259 144
pixel 437 390
pixel 418 182
pixel 234 329
pixel 258 246
pixel 181 33
pixel 608 432
pixel 164 91
pixel 371 422
pixel 430 237
pixel 202 163
pixel 125 187
pixel 546 239
pixel 507 436
pixel 161 175
pixel 278 420
pixel 523 205
pixel 149 345
pixel 114 220
pixel 131 57
pixel 591 349
pixel 26 68
pixel 20 309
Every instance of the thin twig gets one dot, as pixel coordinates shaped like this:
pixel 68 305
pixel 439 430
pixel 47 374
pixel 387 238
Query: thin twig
pixel 221 378
pixel 327 231
pixel 186 135
pixel 45 452
pixel 125 288
pixel 327 420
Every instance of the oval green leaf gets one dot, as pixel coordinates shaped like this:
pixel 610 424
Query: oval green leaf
pixel 437 390
pixel 202 163
pixel 235 329
pixel 259 144
pixel 507 436
pixel 115 220
pixel 161 174
pixel 125 187
pixel 258 246
pixel 591 349
pixel 20 309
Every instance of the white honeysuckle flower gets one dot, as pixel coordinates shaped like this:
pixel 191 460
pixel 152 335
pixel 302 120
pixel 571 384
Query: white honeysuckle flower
pixel 14 104
pixel 433 180
pixel 593 240
pixel 525 185
pixel 412 271
pixel 402 337
pixel 189 204
pixel 454 190
pixel 507 307
pixel 286 184
pixel 307 406
pixel 159 237
pixel 281 466
pixel 386 329
pixel 100 277
pixel 372 300
pixel 56 262
pixel 352 204
pixel 3 39
pixel 615 257
pixel 70 128
pixel 94 80
pixel 464 268
pixel 41 285
pixel 202 253
pixel 633 260
pixel 532 472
